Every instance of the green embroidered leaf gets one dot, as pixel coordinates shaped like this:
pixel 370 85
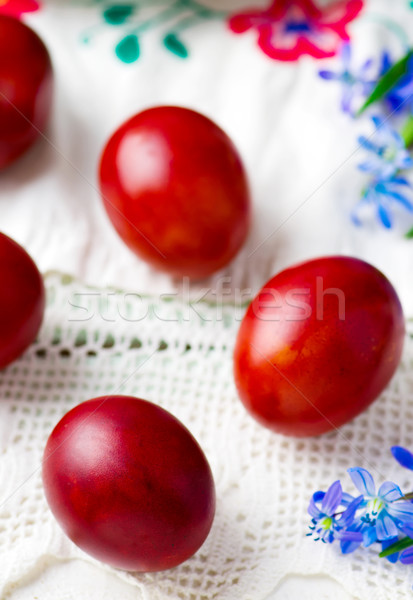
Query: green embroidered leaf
pixel 397 547
pixel 116 15
pixel 174 45
pixel 409 234
pixel 407 132
pixel 387 82
pixel 128 49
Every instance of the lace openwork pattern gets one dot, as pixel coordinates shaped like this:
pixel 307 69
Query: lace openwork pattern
pixel 96 342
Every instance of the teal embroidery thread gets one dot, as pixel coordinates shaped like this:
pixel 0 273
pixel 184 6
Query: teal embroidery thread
pixel 177 15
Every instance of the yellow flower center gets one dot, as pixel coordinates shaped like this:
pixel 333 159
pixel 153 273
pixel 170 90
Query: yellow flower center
pixel 326 523
pixel 375 506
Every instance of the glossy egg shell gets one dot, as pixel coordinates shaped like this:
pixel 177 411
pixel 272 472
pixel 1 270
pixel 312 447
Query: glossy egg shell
pixel 26 88
pixel 317 345
pixel 129 484
pixel 22 300
pixel 175 189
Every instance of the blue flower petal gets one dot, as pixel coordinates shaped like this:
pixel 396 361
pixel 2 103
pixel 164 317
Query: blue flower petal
pixel 407 529
pixel 389 491
pixel 386 171
pixel 401 199
pixel 356 221
pixel 396 102
pixel 352 537
pixel 406 557
pixel 386 62
pixel 347 499
pixel 399 181
pixel 385 526
pixel 405 156
pixel 396 137
pixel 393 558
pixel 368 87
pixel 366 66
pixel 332 498
pixel 384 217
pixel 350 540
pixel 378 121
pixel 345 54
pixel 347 98
pixel 348 546
pixel 348 515
pixel 402 511
pixel 362 480
pixel 406 163
pixel 403 456
pixel 329 75
pixel 329 538
pixel 369 536
pixel 371 165
pixel 313 509
pixel 388 155
pixel 367 144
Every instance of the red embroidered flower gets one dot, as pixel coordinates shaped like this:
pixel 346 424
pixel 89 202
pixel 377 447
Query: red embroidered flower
pixel 288 29
pixel 16 8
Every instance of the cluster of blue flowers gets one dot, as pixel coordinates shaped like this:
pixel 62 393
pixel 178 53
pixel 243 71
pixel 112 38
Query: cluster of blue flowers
pixel 384 516
pixel 388 156
pixel 355 82
pixel 387 150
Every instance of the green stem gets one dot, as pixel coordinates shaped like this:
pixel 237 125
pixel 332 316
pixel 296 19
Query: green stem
pixel 408 496
pixel 407 132
pixel 397 547
pixel 174 10
pixel 388 81
pixel 202 11
pixel 164 15
pixel 186 23
pixel 88 33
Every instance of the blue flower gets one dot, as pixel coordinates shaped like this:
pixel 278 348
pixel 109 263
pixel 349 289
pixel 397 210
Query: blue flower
pixel 382 194
pixel 388 153
pixel 385 514
pixel 352 82
pixel 400 96
pixel 406 556
pixel 329 523
pixel 358 527
pixel 403 456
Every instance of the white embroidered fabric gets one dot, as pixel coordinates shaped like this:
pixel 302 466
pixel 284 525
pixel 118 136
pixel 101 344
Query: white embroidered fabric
pixel 95 343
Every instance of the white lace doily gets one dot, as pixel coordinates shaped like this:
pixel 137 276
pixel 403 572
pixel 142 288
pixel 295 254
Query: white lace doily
pixel 101 342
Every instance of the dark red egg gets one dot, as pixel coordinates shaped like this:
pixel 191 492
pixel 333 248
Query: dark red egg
pixel 129 484
pixel 317 345
pixel 175 190
pixel 26 88
pixel 22 300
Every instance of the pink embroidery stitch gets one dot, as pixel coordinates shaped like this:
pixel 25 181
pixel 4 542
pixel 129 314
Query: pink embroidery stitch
pixel 16 8
pixel 288 29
